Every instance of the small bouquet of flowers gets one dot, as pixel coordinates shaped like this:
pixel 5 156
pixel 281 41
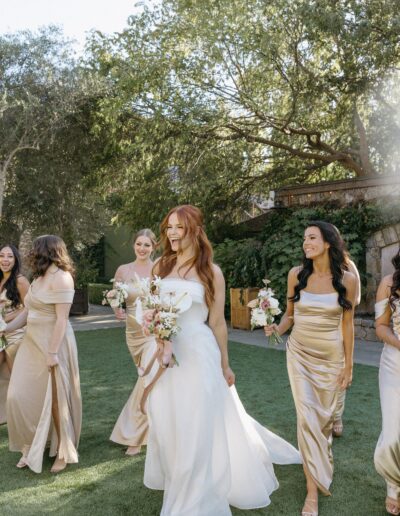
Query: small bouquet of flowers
pixel 116 296
pixel 264 309
pixel 160 314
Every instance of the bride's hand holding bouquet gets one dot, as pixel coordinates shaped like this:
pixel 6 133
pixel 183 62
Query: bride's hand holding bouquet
pixel 159 318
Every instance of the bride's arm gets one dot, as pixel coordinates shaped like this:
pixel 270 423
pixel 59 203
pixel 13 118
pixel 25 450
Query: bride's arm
pixel 217 323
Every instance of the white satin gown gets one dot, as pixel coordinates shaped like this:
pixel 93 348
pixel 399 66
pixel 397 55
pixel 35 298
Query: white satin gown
pixel 204 450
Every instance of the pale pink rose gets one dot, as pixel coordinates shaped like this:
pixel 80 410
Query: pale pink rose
pixel 265 304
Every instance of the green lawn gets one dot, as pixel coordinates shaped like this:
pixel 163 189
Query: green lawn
pixel 105 482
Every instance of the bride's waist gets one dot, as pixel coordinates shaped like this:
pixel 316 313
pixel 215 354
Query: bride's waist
pixel 191 324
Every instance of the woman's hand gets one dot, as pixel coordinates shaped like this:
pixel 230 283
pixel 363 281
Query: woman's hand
pixel 52 360
pixel 345 378
pixel 120 314
pixel 229 376
pixel 270 329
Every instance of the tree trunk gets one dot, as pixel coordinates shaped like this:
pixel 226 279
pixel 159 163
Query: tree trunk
pixel 3 172
pixel 364 150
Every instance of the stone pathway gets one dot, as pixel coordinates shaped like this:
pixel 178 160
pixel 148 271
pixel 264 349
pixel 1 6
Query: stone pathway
pixel 100 317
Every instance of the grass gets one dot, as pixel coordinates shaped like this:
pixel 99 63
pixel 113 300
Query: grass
pixel 105 482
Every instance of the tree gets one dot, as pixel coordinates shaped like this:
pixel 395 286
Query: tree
pixel 40 86
pixel 289 87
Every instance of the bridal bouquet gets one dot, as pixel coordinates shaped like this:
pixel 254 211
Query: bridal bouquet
pixel 116 296
pixel 160 314
pixel 264 309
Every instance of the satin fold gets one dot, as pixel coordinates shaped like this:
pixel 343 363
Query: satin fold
pixel 315 358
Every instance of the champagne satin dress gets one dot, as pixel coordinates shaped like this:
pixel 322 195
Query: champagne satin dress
pixel 315 358
pixel 14 339
pixel 132 426
pixel 387 452
pixel 30 393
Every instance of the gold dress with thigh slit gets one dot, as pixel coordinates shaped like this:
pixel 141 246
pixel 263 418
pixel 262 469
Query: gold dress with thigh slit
pixel 131 428
pixel 30 393
pixel 315 358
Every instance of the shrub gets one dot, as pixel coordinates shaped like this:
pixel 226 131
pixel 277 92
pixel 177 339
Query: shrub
pixel 95 291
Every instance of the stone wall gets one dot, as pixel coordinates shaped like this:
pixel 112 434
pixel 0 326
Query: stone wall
pixel 364 329
pixel 381 246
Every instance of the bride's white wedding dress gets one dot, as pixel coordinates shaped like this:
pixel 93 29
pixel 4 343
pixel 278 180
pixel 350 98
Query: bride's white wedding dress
pixel 204 450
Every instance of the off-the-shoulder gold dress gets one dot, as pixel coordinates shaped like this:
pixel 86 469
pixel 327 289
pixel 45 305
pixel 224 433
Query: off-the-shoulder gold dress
pixel 14 339
pixel 30 393
pixel 132 426
pixel 387 452
pixel 315 358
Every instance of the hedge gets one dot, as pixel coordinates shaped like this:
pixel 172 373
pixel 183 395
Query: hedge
pixel 95 291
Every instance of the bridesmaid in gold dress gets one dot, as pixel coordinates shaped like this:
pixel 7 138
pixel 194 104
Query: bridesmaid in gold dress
pixel 320 304
pixel 131 428
pixel 13 289
pixel 387 452
pixel 44 401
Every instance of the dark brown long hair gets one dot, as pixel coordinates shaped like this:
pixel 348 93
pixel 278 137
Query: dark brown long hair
pixel 11 284
pixel 46 250
pixel 338 259
pixel 395 288
pixel 192 220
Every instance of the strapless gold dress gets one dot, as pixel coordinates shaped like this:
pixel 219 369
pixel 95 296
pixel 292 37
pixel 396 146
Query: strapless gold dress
pixel 131 428
pixel 387 452
pixel 315 358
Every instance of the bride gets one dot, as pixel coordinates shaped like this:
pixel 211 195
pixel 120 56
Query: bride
pixel 204 450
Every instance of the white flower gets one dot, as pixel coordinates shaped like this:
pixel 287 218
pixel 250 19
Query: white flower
pixel 273 303
pixel 3 324
pixel 157 281
pixel 275 311
pixel 258 317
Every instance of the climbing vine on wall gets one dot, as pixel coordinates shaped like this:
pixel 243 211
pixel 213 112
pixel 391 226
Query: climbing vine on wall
pixel 278 247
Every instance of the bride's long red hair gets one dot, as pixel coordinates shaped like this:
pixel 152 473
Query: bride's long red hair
pixel 192 220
